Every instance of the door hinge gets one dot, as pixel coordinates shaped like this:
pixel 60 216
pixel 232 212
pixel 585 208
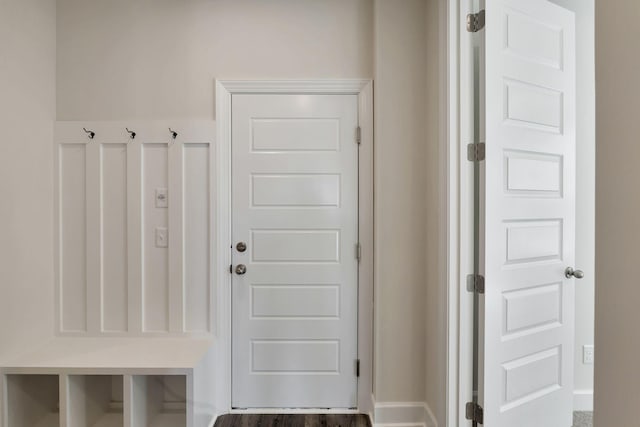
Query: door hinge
pixel 475 283
pixel 475 22
pixel 476 152
pixel 474 413
pixel 358 368
pixel 358 135
pixel 358 251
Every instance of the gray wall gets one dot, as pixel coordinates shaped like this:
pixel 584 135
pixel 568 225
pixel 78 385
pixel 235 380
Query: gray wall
pixel 617 375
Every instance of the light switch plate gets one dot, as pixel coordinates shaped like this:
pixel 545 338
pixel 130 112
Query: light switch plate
pixel 162 237
pixel 587 354
pixel 162 198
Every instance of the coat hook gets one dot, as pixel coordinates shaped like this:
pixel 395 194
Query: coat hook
pixel 91 134
pixel 174 134
pixel 132 134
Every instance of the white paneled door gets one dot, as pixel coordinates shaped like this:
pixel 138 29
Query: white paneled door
pixel 528 212
pixel 295 267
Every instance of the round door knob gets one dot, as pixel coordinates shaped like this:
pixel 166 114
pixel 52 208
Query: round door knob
pixel 241 269
pixel 570 272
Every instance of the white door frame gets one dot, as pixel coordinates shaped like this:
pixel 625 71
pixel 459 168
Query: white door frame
pixel 458 179
pixel 222 330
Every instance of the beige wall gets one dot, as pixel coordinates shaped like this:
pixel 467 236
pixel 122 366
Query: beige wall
pixel 617 376
pixel 27 111
pixel 436 297
pixel 401 199
pixel 157 59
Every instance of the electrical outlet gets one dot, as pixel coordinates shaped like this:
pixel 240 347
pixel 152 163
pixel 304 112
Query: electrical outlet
pixel 162 198
pixel 162 237
pixel 587 354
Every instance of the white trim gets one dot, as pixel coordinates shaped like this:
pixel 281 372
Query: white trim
pixel 450 183
pixel 293 411
pixel 344 87
pixel 583 400
pixel 460 216
pixel 222 330
pixel 403 414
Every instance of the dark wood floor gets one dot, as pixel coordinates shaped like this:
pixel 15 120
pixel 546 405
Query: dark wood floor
pixel 297 420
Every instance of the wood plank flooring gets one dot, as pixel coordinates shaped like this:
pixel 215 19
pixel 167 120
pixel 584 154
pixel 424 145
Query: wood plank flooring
pixel 293 420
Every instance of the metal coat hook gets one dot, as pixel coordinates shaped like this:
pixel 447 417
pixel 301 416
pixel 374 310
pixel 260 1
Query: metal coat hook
pixel 91 134
pixel 132 134
pixel 174 134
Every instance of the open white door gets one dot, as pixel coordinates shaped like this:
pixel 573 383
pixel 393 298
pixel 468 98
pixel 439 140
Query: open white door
pixel 527 214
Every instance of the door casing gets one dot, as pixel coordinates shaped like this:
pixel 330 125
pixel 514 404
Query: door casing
pixel 225 89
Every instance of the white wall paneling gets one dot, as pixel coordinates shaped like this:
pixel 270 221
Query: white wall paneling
pixel 155 272
pixel 197 235
pixel 129 262
pixel 114 231
pixel 72 237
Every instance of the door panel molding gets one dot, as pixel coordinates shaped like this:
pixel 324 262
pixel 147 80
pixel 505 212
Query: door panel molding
pixel 222 327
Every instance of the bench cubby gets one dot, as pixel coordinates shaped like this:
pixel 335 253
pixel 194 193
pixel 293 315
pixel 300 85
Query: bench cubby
pixel 159 400
pixel 32 401
pixel 94 400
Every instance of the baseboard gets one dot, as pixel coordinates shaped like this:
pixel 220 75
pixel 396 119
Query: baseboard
pixel 403 414
pixel 583 400
pixel 213 420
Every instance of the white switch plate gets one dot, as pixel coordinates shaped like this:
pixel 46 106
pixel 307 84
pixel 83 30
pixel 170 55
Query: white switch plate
pixel 162 198
pixel 162 237
pixel 587 354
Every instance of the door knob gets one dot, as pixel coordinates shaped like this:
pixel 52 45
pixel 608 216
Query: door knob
pixel 241 269
pixel 570 272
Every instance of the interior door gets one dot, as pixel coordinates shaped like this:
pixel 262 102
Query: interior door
pixel 528 214
pixel 295 230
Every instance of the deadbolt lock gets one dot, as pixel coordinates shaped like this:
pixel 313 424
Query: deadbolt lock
pixel 241 246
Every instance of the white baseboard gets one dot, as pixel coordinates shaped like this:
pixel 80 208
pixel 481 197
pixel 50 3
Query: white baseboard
pixel 583 400
pixel 403 414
